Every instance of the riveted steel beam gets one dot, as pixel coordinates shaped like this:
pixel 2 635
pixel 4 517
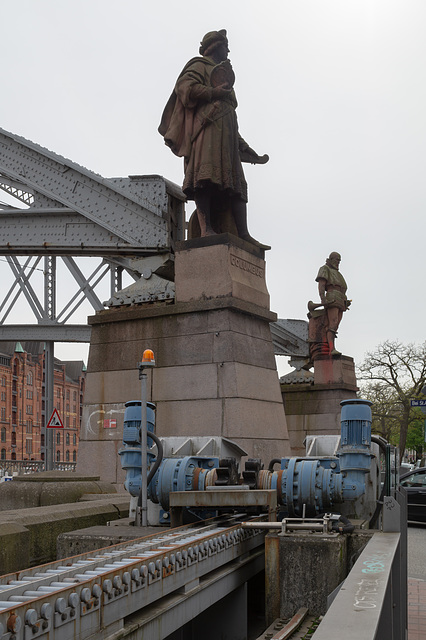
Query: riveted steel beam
pixel 45 332
pixel 122 215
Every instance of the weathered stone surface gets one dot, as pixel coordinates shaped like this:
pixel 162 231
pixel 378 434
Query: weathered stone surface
pixel 244 418
pixel 108 463
pixel 218 271
pixel 190 418
pixel 230 346
pixel 310 567
pixel 336 370
pixel 22 495
pixel 190 382
pixel 112 387
pixel 28 536
pixel 238 380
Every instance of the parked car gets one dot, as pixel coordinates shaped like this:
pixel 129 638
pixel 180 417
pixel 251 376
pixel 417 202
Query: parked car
pixel 415 484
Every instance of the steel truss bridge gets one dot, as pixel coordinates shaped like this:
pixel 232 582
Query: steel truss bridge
pixel 63 212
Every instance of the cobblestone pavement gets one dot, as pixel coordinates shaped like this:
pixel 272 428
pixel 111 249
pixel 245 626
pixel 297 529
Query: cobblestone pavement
pixel 416 609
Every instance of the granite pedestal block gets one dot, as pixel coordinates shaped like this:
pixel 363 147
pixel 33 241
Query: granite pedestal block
pixel 215 368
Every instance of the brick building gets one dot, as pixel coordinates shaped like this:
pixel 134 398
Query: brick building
pixel 22 404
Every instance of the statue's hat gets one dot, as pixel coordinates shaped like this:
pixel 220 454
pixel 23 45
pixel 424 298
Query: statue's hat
pixel 212 37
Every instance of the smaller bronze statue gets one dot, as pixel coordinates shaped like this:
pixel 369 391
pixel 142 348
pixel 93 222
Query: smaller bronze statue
pixel 199 123
pixel 324 322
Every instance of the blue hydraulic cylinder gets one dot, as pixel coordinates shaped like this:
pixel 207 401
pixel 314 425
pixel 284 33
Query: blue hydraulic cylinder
pixel 130 455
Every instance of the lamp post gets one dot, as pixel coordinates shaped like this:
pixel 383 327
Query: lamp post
pixel 148 360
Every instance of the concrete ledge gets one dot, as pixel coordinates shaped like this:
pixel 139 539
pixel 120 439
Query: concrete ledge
pixel 28 536
pixel 119 314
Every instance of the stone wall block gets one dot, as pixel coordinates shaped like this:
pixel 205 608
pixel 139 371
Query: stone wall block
pixel 189 417
pixel 191 382
pixel 238 380
pixel 245 418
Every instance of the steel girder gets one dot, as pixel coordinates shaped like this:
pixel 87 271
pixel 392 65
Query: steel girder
pixel 77 212
pixel 70 211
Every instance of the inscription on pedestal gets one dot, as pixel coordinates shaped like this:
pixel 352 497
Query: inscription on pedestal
pixel 240 263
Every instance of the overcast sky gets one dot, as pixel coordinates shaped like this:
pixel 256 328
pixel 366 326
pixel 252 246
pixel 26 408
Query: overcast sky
pixel 332 90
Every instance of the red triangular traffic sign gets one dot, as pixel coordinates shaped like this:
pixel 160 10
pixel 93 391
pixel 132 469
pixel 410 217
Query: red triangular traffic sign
pixel 55 421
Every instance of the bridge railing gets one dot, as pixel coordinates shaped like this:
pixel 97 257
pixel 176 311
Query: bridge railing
pixel 9 467
pixel 372 602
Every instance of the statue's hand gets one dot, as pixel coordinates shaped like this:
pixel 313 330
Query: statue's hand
pixel 248 155
pixel 221 92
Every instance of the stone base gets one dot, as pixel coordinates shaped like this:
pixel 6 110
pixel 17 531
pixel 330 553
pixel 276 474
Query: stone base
pixel 303 569
pixel 215 371
pixel 314 409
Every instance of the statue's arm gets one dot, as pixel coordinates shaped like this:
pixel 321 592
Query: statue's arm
pixel 247 154
pixel 193 88
pixel 322 282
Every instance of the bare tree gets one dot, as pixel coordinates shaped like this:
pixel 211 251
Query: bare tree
pixel 394 373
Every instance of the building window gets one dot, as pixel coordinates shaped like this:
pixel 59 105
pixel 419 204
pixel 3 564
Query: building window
pixel 58 393
pixel 74 423
pixel 67 439
pixel 13 438
pixel 28 446
pixel 29 426
pixel 30 378
pixel 67 455
pixel 74 439
pixel 74 396
pixel 68 408
pixel 58 437
pixel 68 394
pixel 3 434
pixel 29 394
pixel 74 456
pixel 3 396
pixel 58 456
pixel 3 414
pixel 3 382
pixel 3 454
pixel 42 440
pixel 68 421
pixel 29 409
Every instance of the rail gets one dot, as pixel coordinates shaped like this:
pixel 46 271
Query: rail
pixel 94 592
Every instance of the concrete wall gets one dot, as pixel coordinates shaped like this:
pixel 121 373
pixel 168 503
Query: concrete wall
pixel 28 536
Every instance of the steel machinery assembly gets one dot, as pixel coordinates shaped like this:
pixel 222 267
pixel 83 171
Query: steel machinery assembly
pixel 306 486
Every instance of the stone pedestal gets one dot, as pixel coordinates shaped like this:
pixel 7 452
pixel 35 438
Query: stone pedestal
pixel 215 371
pixel 314 408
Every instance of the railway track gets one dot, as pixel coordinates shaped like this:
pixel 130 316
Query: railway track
pixel 75 597
pixel 301 626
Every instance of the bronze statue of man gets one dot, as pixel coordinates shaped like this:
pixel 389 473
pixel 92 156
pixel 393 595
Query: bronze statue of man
pixel 199 123
pixel 332 291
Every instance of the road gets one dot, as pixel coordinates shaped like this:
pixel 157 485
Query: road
pixel 417 551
